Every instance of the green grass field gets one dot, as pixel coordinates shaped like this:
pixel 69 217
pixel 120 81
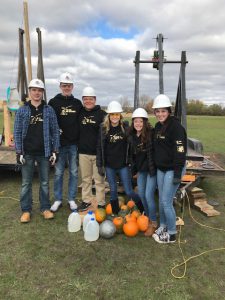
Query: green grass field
pixel 42 260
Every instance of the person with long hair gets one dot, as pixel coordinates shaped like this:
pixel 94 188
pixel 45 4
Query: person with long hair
pixel 142 163
pixel 112 155
pixel 170 146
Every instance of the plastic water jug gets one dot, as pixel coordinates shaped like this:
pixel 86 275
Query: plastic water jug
pixel 91 232
pixel 74 222
pixel 87 218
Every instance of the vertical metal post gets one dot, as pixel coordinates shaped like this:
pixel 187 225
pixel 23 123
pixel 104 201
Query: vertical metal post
pixel 136 86
pixel 22 77
pixel 183 89
pixel 160 46
pixel 40 66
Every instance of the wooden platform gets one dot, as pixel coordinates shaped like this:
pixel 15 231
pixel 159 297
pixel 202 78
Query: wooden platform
pixel 7 158
pixel 204 168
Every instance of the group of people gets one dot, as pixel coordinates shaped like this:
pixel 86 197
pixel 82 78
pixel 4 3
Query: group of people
pixel 67 131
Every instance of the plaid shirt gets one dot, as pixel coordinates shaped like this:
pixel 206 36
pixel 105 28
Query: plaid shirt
pixel 50 129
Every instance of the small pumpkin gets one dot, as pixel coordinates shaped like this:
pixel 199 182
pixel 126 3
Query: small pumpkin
pixel 108 209
pixel 130 218
pixel 100 215
pixel 118 222
pixel 142 222
pixel 130 229
pixel 130 204
pixel 107 229
pixel 124 207
pixel 136 213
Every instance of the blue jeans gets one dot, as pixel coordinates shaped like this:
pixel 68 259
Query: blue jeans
pixel 66 154
pixel 167 191
pixel 27 177
pixel 125 176
pixel 146 190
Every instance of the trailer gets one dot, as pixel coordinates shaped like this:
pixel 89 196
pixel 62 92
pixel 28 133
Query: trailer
pixel 7 150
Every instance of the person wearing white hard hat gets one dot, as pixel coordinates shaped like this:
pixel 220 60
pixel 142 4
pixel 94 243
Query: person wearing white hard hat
pixel 90 118
pixel 67 109
pixel 142 163
pixel 112 155
pixel 170 146
pixel 36 134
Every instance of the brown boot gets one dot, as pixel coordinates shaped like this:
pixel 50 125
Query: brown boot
pixel 47 214
pixel 25 218
pixel 151 228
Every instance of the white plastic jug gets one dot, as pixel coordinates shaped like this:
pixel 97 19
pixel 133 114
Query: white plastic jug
pixel 87 218
pixel 91 232
pixel 74 222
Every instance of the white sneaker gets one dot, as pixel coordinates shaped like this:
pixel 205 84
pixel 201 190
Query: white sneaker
pixel 72 204
pixel 56 205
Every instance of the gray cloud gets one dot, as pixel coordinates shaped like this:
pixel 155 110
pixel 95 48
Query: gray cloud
pixel 72 43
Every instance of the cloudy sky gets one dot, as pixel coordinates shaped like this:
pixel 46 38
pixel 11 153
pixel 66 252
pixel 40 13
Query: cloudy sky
pixel 96 41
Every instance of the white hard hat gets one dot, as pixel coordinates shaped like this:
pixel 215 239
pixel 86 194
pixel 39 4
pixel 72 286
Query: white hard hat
pixel 89 92
pixel 36 83
pixel 140 113
pixel 66 78
pixel 114 107
pixel 161 101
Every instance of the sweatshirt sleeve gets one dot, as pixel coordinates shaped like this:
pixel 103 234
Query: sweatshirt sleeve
pixel 18 131
pixel 179 149
pixel 150 155
pixel 99 157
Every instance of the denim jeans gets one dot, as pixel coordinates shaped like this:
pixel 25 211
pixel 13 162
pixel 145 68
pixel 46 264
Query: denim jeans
pixel 167 191
pixel 27 177
pixel 125 176
pixel 146 190
pixel 67 154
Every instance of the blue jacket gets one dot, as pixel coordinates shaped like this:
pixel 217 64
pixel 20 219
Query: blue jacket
pixel 50 129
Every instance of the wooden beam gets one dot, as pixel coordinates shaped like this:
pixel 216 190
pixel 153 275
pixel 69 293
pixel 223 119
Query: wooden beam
pixel 7 124
pixel 27 36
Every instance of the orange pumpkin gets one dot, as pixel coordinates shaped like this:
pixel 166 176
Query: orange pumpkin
pixel 130 228
pixel 130 204
pixel 124 207
pixel 108 209
pixel 100 215
pixel 136 213
pixel 142 223
pixel 118 222
pixel 130 218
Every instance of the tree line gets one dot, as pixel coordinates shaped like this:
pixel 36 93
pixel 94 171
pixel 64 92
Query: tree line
pixel 193 107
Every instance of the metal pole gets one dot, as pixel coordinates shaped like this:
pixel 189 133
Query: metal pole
pixel 40 66
pixel 136 86
pixel 183 89
pixel 27 35
pixel 160 45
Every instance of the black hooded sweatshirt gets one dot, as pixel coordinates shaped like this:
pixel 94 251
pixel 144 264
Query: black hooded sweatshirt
pixel 67 109
pixel 170 146
pixel 89 122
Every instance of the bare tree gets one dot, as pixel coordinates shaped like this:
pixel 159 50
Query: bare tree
pixel 144 100
pixel 125 104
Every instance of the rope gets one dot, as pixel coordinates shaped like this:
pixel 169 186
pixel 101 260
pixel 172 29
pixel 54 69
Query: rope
pixel 184 263
pixel 12 198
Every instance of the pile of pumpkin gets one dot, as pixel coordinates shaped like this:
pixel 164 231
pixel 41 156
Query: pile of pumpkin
pixel 129 220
